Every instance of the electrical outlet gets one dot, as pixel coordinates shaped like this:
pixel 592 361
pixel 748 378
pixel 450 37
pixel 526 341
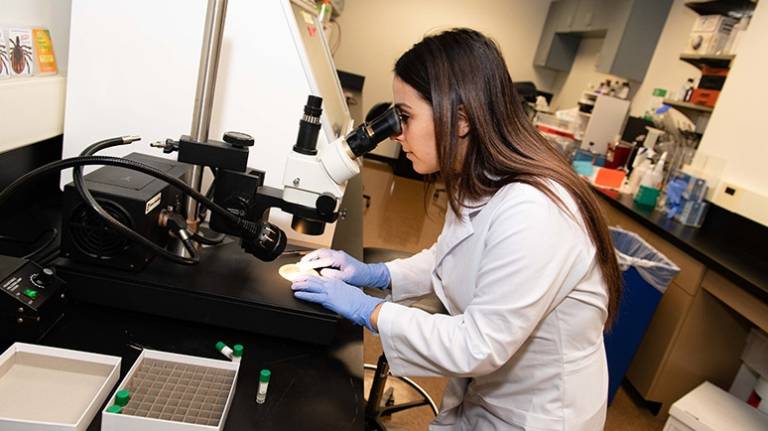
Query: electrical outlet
pixel 742 201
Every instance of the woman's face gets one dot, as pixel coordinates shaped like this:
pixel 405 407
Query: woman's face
pixel 418 136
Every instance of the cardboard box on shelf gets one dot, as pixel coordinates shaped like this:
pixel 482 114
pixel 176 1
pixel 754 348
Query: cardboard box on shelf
pixel 705 97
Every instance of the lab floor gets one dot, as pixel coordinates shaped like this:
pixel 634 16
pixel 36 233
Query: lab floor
pixel 404 215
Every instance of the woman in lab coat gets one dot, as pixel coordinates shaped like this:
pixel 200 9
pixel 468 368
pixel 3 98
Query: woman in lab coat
pixel 524 265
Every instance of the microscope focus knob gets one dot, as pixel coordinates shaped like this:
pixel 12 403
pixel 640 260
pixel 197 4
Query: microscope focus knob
pixel 325 206
pixel 238 139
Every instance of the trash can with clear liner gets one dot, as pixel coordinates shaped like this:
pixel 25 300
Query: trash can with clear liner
pixel 646 273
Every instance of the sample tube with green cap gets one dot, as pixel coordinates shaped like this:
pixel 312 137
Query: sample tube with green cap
pixel 237 352
pixel 114 408
pixel 224 349
pixel 122 397
pixel 261 395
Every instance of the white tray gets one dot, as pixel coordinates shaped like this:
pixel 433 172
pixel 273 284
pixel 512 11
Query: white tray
pixel 172 392
pixel 50 389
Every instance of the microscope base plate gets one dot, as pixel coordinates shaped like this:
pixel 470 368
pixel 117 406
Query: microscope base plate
pixel 228 288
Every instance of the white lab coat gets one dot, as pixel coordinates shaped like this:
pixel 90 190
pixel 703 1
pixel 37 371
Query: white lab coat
pixel 523 341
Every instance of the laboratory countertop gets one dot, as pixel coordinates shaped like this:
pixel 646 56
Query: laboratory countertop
pixel 726 243
pixel 312 386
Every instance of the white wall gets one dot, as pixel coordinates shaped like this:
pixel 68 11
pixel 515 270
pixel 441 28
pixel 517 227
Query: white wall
pixel 375 33
pixel 53 14
pixel 736 130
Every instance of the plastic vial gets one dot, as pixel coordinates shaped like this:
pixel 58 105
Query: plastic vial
pixel 114 408
pixel 122 397
pixel 261 395
pixel 237 352
pixel 224 350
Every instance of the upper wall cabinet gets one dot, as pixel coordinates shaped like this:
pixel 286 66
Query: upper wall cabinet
pixel 631 29
pixel 589 17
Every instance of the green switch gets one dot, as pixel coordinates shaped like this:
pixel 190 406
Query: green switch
pixel 31 293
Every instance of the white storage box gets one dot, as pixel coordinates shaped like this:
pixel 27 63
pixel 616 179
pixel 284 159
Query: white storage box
pixel 710 34
pixel 714 24
pixel 50 389
pixel 754 364
pixel 706 43
pixel 172 392
pixel 709 408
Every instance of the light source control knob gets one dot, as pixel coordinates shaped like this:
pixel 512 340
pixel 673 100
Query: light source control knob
pixel 46 276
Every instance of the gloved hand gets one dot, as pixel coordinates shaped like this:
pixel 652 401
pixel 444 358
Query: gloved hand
pixel 337 296
pixel 350 269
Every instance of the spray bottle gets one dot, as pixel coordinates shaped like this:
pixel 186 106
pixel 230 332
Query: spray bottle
pixel 653 178
pixel 643 163
pixel 648 192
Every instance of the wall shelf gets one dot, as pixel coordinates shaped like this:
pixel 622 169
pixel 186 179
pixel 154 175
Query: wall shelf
pixel 688 106
pixel 715 61
pixel 32 110
pixel 721 7
pixel 732 8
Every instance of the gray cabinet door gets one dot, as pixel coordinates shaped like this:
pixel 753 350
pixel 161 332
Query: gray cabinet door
pixel 565 14
pixel 631 29
pixel 631 39
pixel 557 48
pixel 584 15
pixel 602 13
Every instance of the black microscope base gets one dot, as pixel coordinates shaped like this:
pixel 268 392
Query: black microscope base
pixel 228 288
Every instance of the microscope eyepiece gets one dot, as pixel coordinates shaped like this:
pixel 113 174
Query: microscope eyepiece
pixel 309 127
pixel 366 136
pixel 314 106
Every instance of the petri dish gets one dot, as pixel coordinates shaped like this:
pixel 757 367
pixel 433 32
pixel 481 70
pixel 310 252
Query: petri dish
pixel 293 271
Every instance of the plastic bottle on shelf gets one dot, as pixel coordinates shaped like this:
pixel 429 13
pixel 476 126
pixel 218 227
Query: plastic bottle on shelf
pixel 624 90
pixel 600 88
pixel 688 92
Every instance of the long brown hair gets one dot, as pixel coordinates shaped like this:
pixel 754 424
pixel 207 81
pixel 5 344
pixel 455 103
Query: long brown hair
pixel 462 70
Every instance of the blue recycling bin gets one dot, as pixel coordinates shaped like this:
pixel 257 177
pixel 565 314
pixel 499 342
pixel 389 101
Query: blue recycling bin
pixel 646 273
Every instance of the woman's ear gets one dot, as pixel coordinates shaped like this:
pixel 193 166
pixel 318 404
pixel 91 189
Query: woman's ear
pixel 463 126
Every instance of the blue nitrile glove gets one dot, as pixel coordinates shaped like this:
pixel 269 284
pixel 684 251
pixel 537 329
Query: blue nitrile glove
pixel 337 296
pixel 350 269
pixel 674 201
